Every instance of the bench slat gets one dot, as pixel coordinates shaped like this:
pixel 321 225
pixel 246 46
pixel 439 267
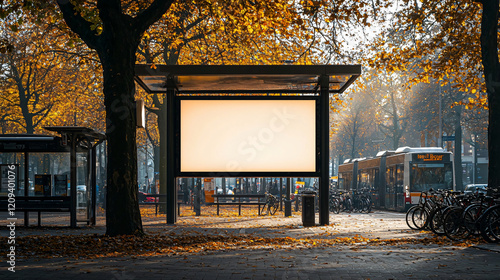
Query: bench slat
pixel 248 199
pixel 37 204
pixel 240 203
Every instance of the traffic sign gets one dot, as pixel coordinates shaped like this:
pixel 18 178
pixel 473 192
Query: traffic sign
pixel 449 138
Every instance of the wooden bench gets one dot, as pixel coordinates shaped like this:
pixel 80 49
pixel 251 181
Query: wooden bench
pixel 157 202
pixel 236 199
pixel 37 204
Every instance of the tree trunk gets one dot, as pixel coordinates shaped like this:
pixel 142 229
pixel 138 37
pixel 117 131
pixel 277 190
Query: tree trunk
pixel 395 123
pixel 353 141
pixel 23 98
pixel 494 139
pixel 118 58
pixel 116 46
pixel 489 56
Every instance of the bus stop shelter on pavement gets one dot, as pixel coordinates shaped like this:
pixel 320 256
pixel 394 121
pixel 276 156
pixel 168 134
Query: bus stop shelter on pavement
pixel 72 140
pixel 243 83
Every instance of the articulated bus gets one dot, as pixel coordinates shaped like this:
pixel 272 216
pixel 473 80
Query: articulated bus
pixel 396 178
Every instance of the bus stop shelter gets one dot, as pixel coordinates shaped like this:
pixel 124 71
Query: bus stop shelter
pixel 16 150
pixel 287 94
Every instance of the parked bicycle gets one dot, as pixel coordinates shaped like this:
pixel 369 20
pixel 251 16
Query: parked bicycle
pixel 456 215
pixel 361 201
pixel 341 201
pixel 271 206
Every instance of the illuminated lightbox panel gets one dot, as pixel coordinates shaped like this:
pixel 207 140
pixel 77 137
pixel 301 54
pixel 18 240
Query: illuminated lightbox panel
pixel 247 136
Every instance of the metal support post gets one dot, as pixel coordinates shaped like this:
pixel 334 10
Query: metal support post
pixel 170 168
pixel 72 176
pixel 324 218
pixel 281 193
pixel 162 171
pixel 288 202
pixel 26 186
pixel 197 197
pixel 93 176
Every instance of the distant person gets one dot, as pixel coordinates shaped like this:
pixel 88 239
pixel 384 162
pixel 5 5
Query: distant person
pixel 236 191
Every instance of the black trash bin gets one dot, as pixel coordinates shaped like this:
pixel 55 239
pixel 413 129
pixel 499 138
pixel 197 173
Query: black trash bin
pixel 308 215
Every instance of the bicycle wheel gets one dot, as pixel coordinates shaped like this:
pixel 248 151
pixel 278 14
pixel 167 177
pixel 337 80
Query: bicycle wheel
pixel 436 220
pixel 409 217
pixel 265 209
pixel 356 205
pixel 470 217
pixel 490 224
pixel 348 205
pixel 367 206
pixel 273 207
pixel 330 205
pixel 337 206
pixel 454 226
pixel 494 223
pixel 420 218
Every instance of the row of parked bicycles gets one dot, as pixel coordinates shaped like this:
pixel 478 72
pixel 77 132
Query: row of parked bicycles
pixel 357 201
pixel 456 215
pixel 339 201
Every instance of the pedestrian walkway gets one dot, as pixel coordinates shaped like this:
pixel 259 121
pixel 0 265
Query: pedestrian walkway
pixel 399 253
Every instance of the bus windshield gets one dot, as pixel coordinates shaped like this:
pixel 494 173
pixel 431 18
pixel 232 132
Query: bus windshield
pixel 425 176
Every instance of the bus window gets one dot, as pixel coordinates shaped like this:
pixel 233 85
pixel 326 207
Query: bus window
pixel 347 181
pixel 425 176
pixel 399 178
pixel 389 180
pixel 367 179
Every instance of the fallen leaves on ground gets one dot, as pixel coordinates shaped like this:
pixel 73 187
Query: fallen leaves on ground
pixel 97 246
pixel 210 233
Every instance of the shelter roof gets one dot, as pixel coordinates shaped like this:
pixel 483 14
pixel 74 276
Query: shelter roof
pixel 80 131
pixel 187 79
pixel 48 143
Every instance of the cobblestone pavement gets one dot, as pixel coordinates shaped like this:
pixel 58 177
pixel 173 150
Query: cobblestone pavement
pixel 354 261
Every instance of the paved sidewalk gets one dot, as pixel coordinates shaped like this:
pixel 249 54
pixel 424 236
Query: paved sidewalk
pixel 340 262
pixel 343 261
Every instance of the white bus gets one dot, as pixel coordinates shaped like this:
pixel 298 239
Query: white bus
pixel 396 178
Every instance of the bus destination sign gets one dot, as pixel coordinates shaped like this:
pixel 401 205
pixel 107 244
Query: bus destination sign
pixel 430 157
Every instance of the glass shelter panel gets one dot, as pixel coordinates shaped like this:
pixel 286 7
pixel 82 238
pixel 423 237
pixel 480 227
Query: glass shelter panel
pixel 47 173
pixel 15 163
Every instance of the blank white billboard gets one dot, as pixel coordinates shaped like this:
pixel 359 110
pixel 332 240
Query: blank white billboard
pixel 248 136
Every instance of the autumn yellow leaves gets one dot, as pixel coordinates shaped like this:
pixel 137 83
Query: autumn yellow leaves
pixel 227 232
pixel 190 242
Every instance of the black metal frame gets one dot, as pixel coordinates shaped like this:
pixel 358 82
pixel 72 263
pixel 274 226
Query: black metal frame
pixel 177 133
